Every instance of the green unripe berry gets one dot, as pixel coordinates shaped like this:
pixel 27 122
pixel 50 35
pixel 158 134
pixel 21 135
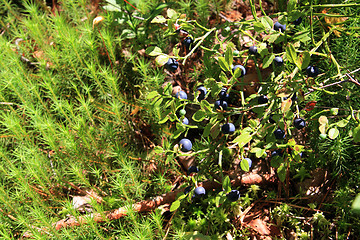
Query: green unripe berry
pixel 334 111
pixel 323 136
pixel 182 112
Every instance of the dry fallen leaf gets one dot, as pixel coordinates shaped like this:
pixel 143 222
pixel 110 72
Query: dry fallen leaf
pixel 333 22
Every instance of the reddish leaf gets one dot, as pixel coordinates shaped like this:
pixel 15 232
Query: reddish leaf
pixel 310 105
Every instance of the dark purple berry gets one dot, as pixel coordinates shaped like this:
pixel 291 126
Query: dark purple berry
pixel 299 123
pixel 172 65
pixel 233 195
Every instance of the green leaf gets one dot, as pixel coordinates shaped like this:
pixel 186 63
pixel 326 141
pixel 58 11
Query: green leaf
pixel 199 116
pixel 207 130
pixel 171 13
pixel 342 123
pixel 175 205
pixel 152 94
pixel 333 133
pixel 158 149
pixel 223 64
pixel 272 38
pixel 223 78
pixel 112 6
pixel 268 60
pixel 356 134
pixel 159 19
pixel 153 51
pixel 259 27
pixel 291 53
pixel 215 130
pixel 226 184
pixel 244 164
pixel 180 129
pixel 161 60
pixel 303 60
pixel 291 5
pixel 356 204
pixel 229 55
pixel 281 171
pixel 260 153
pixel 276 161
pixel 267 22
pixel 243 139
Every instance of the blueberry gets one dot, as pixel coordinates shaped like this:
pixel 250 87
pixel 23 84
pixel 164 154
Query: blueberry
pixel 188 42
pixel 278 61
pixel 228 128
pixel 277 26
pixel 187 190
pixel 263 99
pixel 253 50
pixel 193 169
pixel 223 94
pixel 199 191
pixel 279 133
pixel 277 152
pixel 233 195
pixel 299 123
pixel 181 95
pixel 243 71
pixel 312 71
pixel 297 21
pixel 172 65
pixel 185 121
pixel 221 104
pixel 202 92
pixel 283 27
pixel 249 161
pixel 302 154
pixel 185 145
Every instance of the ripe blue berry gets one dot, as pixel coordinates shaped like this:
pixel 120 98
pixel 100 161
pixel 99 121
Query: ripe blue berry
pixel 277 26
pixel 221 105
pixel 312 71
pixel 188 42
pixel 277 152
pixel 299 123
pixel 297 21
pixel 283 27
pixel 187 190
pixel 263 99
pixel 233 195
pixel 223 94
pixel 193 169
pixel 279 133
pixel 181 95
pixel 172 65
pixel 243 71
pixel 202 92
pixel 185 145
pixel 199 191
pixel 228 128
pixel 278 61
pixel 253 50
pixel 185 121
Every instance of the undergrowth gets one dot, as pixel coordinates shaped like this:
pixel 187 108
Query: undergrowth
pixel 75 120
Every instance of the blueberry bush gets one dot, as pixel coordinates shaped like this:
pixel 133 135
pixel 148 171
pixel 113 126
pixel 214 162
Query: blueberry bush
pixel 219 119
